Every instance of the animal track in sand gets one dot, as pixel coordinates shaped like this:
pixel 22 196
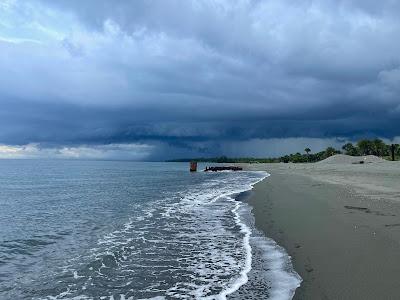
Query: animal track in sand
pixel 392 225
pixel 368 211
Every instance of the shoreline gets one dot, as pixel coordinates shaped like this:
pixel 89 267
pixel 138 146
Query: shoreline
pixel 268 271
pixel 339 224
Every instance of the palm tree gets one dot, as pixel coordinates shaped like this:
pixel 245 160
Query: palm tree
pixel 308 150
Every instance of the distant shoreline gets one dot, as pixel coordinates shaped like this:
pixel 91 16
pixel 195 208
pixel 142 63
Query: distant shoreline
pixel 339 224
pixel 364 147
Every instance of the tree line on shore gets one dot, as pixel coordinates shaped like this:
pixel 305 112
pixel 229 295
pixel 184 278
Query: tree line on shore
pixel 363 147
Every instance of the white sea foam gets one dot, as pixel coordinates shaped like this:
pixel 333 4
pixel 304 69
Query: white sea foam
pixel 243 278
pixel 280 274
pixel 284 280
pixel 212 242
pixel 247 266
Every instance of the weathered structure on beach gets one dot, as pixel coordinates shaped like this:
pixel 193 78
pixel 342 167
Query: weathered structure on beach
pixel 225 168
pixel 193 166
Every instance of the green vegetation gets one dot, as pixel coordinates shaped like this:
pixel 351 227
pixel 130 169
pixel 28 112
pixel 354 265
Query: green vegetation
pixel 371 147
pixel 363 147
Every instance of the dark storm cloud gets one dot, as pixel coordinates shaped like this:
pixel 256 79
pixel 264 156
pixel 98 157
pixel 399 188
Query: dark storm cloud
pixel 197 75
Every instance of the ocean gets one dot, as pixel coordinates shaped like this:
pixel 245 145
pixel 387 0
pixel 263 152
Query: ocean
pixel 131 230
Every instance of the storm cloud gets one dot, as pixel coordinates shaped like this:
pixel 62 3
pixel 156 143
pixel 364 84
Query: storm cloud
pixel 206 77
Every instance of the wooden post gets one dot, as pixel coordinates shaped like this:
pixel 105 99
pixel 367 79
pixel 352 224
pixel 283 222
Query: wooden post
pixel 193 166
pixel 392 148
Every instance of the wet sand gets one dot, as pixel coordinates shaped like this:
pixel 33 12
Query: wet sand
pixel 340 224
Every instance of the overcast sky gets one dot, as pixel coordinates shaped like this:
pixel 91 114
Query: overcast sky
pixel 142 79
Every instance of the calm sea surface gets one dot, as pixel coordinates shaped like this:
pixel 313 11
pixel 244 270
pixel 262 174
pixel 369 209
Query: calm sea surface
pixel 128 230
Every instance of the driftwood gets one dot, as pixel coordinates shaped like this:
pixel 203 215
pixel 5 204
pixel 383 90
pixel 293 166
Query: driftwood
pixel 229 168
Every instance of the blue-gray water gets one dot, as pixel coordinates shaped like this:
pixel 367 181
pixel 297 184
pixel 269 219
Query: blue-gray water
pixel 125 230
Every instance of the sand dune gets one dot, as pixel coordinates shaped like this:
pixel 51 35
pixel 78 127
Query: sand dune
pixel 347 159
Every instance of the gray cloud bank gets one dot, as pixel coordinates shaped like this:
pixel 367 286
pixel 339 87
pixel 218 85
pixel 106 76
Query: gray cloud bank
pixel 198 77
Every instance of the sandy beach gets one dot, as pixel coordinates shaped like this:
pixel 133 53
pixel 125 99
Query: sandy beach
pixel 340 223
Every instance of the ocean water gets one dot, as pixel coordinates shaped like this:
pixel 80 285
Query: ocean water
pixel 127 230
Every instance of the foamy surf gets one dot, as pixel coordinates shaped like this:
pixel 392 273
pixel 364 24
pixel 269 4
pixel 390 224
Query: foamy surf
pixel 279 273
pixel 279 277
pixel 272 275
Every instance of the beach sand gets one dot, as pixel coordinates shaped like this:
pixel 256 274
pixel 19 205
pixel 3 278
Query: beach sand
pixel 340 223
